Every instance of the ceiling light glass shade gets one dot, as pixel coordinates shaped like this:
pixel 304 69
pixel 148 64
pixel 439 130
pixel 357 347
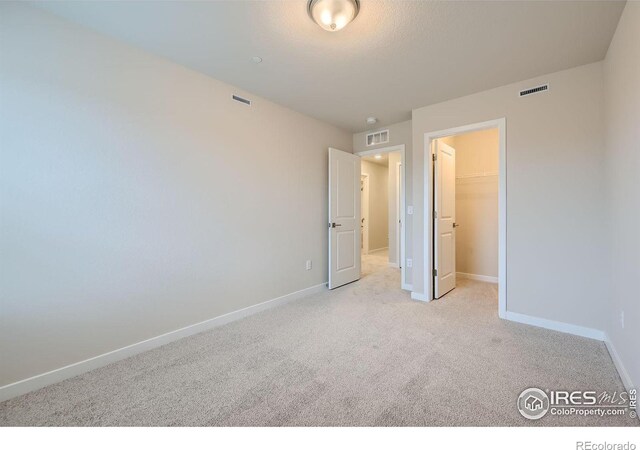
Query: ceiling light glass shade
pixel 333 15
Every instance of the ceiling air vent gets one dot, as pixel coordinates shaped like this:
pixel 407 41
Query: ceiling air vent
pixel 379 137
pixel 534 90
pixel 242 100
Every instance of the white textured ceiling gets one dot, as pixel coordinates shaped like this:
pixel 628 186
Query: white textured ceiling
pixel 394 57
pixel 383 161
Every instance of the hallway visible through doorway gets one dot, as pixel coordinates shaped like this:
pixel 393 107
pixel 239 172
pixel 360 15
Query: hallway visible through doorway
pixel 382 206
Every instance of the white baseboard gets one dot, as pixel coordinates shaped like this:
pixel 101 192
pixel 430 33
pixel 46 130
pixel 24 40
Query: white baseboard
pixel 473 276
pixel 407 287
pixel 617 361
pixel 45 379
pixel 419 296
pixel 378 249
pixel 556 326
pixel 578 331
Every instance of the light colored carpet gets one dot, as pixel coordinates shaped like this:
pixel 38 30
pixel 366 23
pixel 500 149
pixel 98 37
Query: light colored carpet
pixel 365 354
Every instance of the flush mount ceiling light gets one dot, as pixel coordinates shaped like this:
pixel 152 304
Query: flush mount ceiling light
pixel 371 120
pixel 333 15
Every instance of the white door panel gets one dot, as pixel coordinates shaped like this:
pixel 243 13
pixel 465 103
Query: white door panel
pixel 444 218
pixel 345 257
pixel 345 186
pixel 344 218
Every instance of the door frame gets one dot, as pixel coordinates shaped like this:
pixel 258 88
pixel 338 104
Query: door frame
pixel 398 215
pixel 365 215
pixel 501 126
pixel 397 148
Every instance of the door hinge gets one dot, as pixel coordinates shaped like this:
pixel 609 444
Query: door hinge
pixel 435 214
pixel 434 157
pixel 435 272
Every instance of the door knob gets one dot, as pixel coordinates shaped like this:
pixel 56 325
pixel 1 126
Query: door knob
pixel 455 225
pixel 333 225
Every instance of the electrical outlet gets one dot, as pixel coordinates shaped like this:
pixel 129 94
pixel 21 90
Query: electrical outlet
pixel 409 262
pixel 308 264
pixel 622 319
pixel 410 210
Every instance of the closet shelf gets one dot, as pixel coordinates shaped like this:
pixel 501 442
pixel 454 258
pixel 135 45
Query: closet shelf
pixel 477 175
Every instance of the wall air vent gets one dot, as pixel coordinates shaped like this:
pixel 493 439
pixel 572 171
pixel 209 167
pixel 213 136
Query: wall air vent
pixel 379 137
pixel 242 100
pixel 534 90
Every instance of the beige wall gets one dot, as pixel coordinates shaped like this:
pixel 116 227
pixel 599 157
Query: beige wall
pixel 555 191
pixel 399 133
pixel 378 204
pixel 622 206
pixel 394 204
pixel 138 198
pixel 477 202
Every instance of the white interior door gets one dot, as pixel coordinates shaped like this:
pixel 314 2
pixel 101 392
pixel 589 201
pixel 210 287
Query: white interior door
pixel 344 218
pixel 444 219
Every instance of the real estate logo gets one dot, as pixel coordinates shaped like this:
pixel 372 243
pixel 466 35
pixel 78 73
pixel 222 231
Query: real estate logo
pixel 533 403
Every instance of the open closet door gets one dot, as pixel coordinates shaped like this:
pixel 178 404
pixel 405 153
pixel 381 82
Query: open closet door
pixel 344 218
pixel 444 218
